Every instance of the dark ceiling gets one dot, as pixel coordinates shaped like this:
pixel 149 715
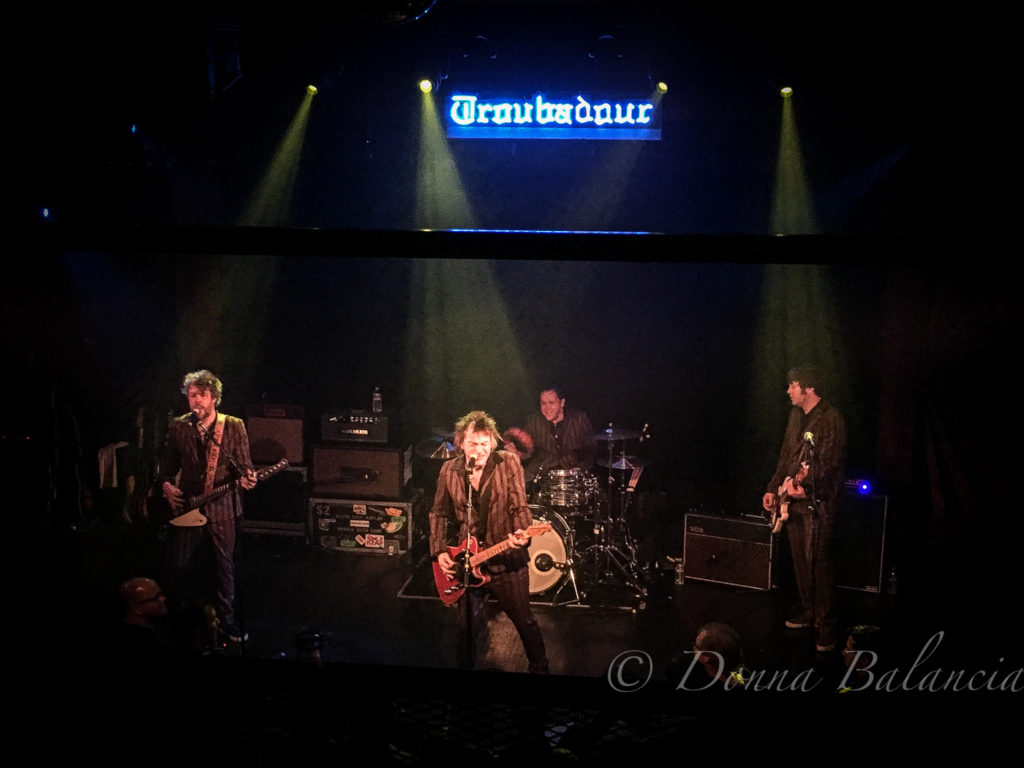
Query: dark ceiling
pixel 869 83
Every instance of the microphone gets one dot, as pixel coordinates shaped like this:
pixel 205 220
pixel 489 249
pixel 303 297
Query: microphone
pixel 809 437
pixel 194 417
pixel 470 464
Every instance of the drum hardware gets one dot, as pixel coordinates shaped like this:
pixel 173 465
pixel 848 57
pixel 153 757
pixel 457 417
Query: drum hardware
pixel 613 551
pixel 438 447
pixel 613 434
pixel 625 462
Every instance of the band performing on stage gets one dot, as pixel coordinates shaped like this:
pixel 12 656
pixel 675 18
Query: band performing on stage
pixel 539 513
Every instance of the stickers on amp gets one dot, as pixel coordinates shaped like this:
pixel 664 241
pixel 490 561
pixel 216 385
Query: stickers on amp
pixel 392 522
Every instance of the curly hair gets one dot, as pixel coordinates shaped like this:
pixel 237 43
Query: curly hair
pixel 203 379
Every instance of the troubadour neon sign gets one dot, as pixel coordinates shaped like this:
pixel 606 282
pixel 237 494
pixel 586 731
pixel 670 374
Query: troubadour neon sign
pixel 580 117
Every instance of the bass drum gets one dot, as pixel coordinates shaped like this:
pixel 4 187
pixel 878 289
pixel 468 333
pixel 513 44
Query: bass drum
pixel 550 551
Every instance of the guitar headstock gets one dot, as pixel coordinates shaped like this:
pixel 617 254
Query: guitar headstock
pixel 274 468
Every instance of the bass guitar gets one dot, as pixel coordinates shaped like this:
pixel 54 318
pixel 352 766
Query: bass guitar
pixel 194 518
pixel 450 588
pixel 781 512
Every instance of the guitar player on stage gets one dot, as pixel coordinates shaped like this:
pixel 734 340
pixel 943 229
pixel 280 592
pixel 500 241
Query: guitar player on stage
pixel 492 480
pixel 803 497
pixel 205 449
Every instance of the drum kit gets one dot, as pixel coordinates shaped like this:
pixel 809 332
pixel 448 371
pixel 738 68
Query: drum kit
pixel 589 545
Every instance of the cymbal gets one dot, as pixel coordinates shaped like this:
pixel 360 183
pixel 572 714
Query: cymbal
pixel 625 462
pixel 437 447
pixel 617 434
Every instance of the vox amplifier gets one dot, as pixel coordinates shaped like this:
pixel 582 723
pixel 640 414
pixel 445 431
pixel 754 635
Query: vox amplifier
pixel 728 551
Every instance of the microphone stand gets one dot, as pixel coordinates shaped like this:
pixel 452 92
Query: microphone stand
pixel 232 461
pixel 808 452
pixel 467 552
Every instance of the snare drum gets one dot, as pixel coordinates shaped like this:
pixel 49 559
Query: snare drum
pixel 549 552
pixel 568 490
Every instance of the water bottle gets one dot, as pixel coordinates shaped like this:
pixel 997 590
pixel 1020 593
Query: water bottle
pixel 378 402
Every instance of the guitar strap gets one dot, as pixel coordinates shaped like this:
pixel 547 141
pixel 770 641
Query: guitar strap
pixel 214 454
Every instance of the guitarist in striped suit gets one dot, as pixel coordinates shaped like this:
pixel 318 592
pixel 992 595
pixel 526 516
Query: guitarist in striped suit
pixel 205 448
pixel 482 492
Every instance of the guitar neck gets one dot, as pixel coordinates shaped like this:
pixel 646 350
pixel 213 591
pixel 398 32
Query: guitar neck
pixel 485 555
pixel 218 491
pixel 214 493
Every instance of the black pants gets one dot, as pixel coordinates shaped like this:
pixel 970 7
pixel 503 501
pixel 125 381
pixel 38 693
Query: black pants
pixel 201 566
pixel 511 590
pixel 810 541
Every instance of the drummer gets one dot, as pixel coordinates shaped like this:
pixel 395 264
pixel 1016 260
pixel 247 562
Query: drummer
pixel 563 437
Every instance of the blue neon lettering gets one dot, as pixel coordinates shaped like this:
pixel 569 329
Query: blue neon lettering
pixel 467 110
pixel 583 110
pixel 463 109
pixel 524 113
pixel 602 114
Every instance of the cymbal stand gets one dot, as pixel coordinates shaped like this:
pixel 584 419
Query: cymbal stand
pixel 606 554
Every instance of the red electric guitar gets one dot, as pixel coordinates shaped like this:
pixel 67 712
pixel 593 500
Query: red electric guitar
pixel 781 512
pixel 450 588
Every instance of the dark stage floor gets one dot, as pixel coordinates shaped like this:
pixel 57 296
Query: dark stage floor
pixel 385 635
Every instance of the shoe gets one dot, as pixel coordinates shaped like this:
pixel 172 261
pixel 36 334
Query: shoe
pixel 826 640
pixel 800 621
pixel 233 633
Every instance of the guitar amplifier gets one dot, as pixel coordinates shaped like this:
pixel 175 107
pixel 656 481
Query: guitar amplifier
pixel 361 472
pixel 367 525
pixel 860 541
pixel 727 550
pixel 275 433
pixel 354 427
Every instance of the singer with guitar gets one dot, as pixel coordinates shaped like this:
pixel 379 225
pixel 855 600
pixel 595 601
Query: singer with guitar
pixel 205 449
pixel 481 500
pixel 802 497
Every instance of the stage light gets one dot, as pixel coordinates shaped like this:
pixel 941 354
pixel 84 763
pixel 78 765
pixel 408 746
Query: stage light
pixel 662 86
pixel 426 86
pixel 786 92
pixel 311 90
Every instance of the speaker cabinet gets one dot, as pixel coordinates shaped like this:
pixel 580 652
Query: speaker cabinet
pixel 275 433
pixel 726 550
pixel 859 544
pixel 278 504
pixel 363 472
